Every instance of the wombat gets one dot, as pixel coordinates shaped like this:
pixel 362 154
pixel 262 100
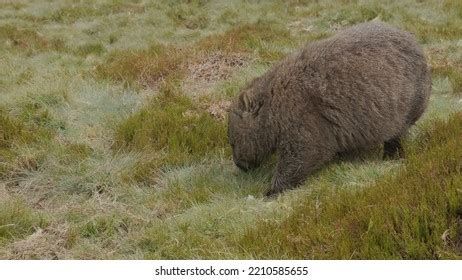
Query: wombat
pixel 358 89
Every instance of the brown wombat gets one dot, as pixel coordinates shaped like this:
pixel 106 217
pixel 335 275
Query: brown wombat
pixel 362 87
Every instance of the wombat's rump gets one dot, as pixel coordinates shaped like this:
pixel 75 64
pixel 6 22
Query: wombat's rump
pixel 362 87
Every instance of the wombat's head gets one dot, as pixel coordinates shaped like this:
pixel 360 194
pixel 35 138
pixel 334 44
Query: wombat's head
pixel 248 133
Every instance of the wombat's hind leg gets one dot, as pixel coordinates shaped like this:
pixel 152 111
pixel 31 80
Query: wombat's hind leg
pixel 294 166
pixel 392 149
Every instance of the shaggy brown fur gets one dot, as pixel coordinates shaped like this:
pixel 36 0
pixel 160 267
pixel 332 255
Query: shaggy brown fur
pixel 362 87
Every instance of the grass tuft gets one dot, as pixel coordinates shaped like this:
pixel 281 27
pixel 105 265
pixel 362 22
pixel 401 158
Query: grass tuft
pixel 353 14
pixel 25 39
pixel 248 38
pixel 17 220
pixel 14 133
pixel 172 124
pixel 189 16
pixel 92 48
pixel 453 6
pixel 71 14
pixel 146 68
pixel 453 74
pixel 10 130
pixel 427 32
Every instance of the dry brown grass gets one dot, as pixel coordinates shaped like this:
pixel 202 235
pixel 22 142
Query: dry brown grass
pixel 243 38
pixel 219 110
pixel 211 59
pixel 216 66
pixel 49 243
pixel 145 68
pixel 26 39
pixel 209 68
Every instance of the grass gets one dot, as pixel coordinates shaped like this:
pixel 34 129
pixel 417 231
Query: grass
pixel 146 68
pixel 152 66
pixel 415 214
pixel 27 40
pixel 174 125
pixel 113 136
pixel 74 13
pixel 453 74
pixel 18 220
pixel 248 38
pixel 14 133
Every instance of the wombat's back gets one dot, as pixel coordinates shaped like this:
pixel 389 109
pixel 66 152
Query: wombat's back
pixel 371 82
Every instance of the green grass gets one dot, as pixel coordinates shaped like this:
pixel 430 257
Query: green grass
pixel 113 137
pixel 248 38
pixel 453 74
pixel 74 13
pixel 173 127
pixel 11 131
pixel 14 133
pixel 18 220
pixel 413 215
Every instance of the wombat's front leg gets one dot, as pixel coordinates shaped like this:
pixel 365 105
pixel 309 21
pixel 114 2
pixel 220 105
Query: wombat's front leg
pixel 294 165
pixel 392 149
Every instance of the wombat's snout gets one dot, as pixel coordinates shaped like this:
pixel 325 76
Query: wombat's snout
pixel 244 166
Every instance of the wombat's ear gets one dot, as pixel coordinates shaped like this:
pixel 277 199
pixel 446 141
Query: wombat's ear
pixel 248 103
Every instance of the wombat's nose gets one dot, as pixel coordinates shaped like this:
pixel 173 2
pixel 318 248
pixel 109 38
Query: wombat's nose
pixel 243 166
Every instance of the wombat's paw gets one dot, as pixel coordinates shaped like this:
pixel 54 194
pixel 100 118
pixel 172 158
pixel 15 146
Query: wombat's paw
pixel 393 150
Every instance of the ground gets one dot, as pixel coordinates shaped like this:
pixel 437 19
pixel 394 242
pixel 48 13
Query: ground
pixel 113 135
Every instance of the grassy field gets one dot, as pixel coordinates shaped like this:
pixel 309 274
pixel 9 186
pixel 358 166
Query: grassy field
pixel 113 136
